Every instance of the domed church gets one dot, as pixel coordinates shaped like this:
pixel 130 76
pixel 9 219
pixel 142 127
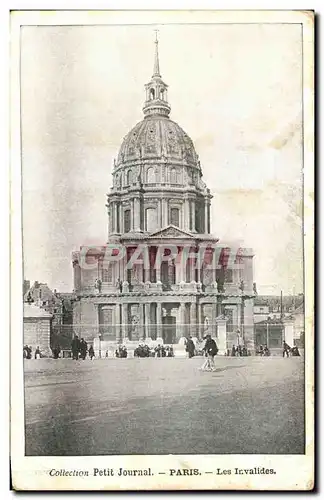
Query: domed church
pixel 156 280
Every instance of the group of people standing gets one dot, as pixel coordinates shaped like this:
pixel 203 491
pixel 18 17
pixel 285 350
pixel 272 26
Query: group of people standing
pixel 263 350
pixel 209 350
pixel 79 349
pixel 121 352
pixel 27 352
pixel 286 350
pixel 239 350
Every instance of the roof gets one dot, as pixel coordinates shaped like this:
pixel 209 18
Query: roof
pixel 157 137
pixel 33 311
pixel 291 301
pixel 259 301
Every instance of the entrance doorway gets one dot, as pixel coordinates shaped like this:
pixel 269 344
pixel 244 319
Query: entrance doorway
pixel 169 329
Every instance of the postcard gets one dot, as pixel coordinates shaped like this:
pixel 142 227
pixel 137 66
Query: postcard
pixel 162 242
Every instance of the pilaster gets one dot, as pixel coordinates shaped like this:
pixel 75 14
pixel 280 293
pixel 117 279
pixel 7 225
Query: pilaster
pixel 221 337
pixel 125 322
pixel 117 322
pixel 193 319
pixel 159 319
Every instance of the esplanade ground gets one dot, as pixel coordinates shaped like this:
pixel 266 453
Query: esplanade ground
pixel 164 406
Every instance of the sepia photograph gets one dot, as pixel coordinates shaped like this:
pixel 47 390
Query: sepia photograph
pixel 164 275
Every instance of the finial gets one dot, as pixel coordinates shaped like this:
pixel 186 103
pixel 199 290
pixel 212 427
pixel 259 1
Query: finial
pixel 156 71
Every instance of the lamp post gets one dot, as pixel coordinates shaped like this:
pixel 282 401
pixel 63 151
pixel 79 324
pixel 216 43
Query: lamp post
pixel 100 338
pixel 241 287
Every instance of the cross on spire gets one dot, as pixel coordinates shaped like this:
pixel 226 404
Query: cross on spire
pixel 156 70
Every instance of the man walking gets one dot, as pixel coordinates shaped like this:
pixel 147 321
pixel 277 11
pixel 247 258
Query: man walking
pixel 75 347
pixel 286 349
pixel 190 347
pixel 83 349
pixel 211 350
pixel 91 352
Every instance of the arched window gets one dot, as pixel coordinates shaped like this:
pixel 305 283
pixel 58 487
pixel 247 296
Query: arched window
pixel 173 176
pixel 162 94
pixel 174 217
pixel 152 94
pixel 150 176
pixel 127 221
pixel 129 178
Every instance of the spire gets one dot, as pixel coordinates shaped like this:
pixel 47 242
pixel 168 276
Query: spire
pixel 156 70
pixel 156 102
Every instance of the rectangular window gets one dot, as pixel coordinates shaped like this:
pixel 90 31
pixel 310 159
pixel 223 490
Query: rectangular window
pixel 174 217
pixel 152 275
pixel 118 218
pixel 127 221
pixel 228 275
pixel 106 320
pixel 188 271
pixel 150 219
pixel 190 216
pixel 107 274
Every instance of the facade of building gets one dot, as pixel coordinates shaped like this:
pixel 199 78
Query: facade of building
pixel 59 306
pixel 277 319
pixel 37 328
pixel 160 204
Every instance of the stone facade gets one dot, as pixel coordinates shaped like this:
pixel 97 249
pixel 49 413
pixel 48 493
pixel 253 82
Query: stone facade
pixel 37 328
pixel 159 199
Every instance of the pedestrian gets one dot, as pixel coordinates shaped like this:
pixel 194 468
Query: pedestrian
pixel 286 349
pixel 83 349
pixel 295 351
pixel 266 351
pixel 75 347
pixel 91 352
pixel 56 349
pixel 38 354
pixel 233 353
pixel 211 350
pixel 26 350
pixel 190 347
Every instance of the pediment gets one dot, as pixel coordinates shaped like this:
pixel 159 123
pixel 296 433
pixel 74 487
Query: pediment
pixel 171 232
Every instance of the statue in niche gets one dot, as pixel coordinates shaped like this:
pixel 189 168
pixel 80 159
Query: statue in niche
pixel 135 325
pixel 136 275
pixel 208 276
pixel 119 285
pixel 220 285
pixel 206 325
pixel 98 285
pixel 125 287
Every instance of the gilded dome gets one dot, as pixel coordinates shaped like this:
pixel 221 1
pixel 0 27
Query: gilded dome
pixel 157 138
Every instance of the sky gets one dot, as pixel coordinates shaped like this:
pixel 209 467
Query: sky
pixel 235 89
